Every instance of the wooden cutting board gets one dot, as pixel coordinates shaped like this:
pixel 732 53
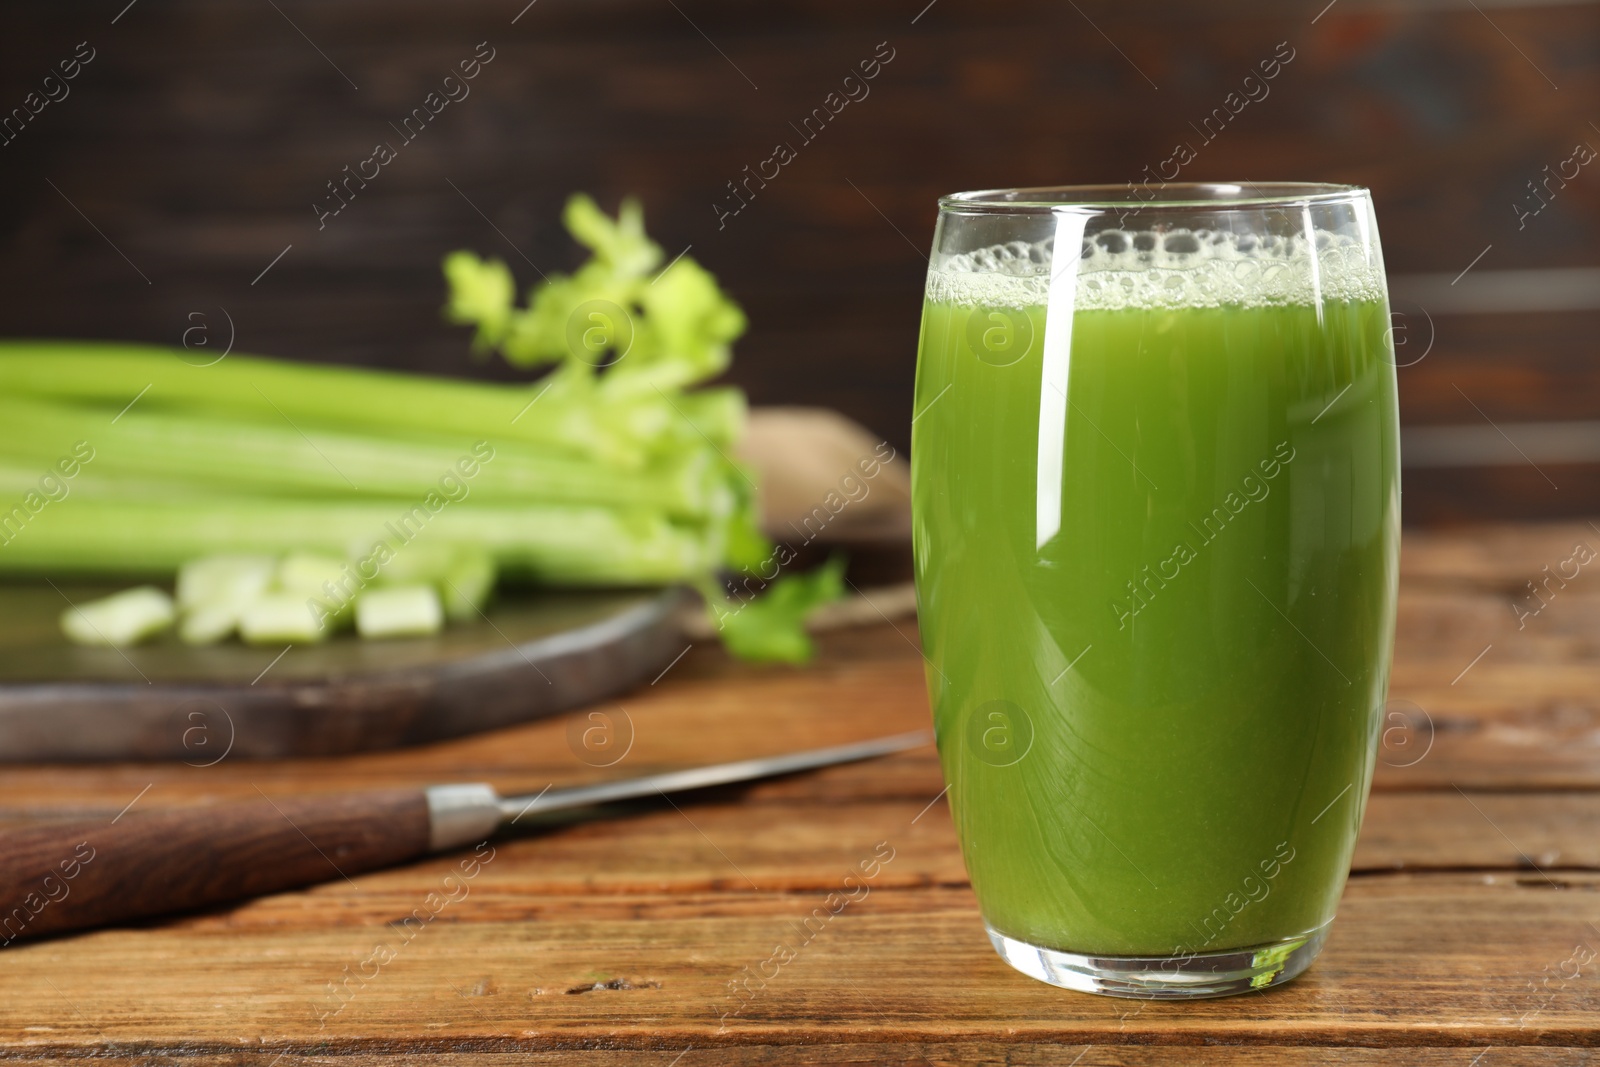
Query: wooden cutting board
pixel 531 656
pixel 534 655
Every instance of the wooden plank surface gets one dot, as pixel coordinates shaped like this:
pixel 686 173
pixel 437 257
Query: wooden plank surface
pixel 511 962
pixel 1471 921
pixel 928 1054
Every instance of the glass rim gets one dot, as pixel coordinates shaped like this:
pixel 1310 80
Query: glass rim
pixel 1223 196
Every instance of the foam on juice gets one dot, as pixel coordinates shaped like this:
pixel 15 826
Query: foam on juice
pixel 1177 268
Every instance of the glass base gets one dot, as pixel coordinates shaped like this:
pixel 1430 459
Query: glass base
pixel 1215 974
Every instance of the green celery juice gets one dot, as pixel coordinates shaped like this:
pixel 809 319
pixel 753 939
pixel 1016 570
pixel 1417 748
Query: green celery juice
pixel 1156 576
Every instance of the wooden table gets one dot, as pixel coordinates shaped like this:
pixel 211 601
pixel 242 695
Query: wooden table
pixel 1471 921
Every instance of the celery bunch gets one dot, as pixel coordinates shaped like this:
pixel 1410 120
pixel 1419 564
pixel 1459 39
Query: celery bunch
pixel 612 468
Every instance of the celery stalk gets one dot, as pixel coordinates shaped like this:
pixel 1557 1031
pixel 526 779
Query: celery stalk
pixel 554 545
pixel 278 457
pixel 556 412
pixel 398 498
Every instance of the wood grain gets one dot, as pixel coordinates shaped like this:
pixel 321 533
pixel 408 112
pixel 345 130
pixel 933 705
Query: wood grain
pixel 795 842
pixel 1475 881
pixel 62 876
pixel 1426 959
pixel 926 1053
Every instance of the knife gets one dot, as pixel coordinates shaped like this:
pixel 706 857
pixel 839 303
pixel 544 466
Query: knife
pixel 59 876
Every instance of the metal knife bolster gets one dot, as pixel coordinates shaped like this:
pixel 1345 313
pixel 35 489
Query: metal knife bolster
pixel 461 815
pixel 466 813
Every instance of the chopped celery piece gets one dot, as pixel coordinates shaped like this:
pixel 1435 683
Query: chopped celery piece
pixel 326 584
pixel 210 622
pixel 122 619
pixel 223 578
pixel 466 585
pixel 418 563
pixel 279 618
pixel 214 591
pixel 463 576
pixel 306 573
pixel 399 611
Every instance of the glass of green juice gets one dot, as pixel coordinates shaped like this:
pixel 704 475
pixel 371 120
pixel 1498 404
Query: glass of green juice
pixel 1156 493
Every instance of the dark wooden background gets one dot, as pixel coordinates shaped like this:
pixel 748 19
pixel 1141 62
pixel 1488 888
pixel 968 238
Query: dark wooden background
pixel 200 135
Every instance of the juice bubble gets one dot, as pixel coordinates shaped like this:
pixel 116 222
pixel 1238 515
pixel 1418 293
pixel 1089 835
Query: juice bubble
pixel 1176 268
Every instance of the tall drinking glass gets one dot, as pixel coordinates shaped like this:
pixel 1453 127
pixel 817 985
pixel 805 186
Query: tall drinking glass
pixel 1156 487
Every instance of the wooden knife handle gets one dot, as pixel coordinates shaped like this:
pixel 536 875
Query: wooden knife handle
pixel 69 876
